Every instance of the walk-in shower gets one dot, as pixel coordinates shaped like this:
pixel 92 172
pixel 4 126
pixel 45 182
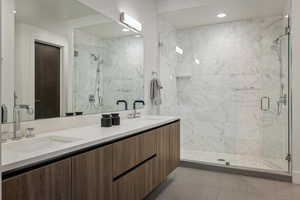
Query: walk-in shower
pixel 230 86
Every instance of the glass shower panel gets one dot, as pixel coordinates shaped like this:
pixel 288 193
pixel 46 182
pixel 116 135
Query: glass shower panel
pixel 275 103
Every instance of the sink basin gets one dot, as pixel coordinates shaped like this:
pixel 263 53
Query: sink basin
pixel 38 144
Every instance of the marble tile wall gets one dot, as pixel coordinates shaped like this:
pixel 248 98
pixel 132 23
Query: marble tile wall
pixel 220 79
pixel 121 72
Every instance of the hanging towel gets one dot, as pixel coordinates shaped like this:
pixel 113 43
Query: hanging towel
pixel 155 95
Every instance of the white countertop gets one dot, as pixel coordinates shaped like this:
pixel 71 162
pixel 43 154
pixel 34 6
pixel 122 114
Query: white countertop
pixel 13 158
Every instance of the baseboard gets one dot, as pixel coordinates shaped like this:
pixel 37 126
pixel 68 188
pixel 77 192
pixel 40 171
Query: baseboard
pixel 296 177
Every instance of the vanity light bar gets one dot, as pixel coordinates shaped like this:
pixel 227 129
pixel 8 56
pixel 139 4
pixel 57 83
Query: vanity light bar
pixel 131 22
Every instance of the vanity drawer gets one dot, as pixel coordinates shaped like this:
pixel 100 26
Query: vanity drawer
pixel 137 184
pixel 147 145
pixel 130 152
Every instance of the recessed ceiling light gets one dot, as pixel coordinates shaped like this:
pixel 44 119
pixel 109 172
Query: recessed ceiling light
pixel 14 11
pixel 197 61
pixel 222 15
pixel 125 30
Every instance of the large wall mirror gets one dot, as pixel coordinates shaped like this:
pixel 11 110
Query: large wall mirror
pixel 63 58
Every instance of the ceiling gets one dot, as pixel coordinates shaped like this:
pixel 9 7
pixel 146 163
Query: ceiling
pixel 190 13
pixel 52 14
pixel 45 12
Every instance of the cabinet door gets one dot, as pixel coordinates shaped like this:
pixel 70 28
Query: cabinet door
pixel 92 175
pixel 52 182
pixel 161 164
pixel 168 151
pixel 174 146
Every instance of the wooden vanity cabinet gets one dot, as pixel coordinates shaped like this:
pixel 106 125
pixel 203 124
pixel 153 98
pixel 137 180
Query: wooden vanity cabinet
pixel 128 169
pixel 52 182
pixel 92 175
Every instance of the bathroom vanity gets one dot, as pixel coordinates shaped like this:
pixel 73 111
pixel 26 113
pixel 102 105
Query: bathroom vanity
pixel 125 162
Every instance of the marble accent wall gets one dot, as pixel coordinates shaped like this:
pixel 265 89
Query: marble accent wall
pixel 121 74
pixel 221 77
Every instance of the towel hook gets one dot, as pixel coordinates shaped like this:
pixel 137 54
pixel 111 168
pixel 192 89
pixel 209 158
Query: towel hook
pixel 154 74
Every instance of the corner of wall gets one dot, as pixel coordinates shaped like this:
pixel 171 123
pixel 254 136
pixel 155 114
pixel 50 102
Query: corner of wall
pixel 296 177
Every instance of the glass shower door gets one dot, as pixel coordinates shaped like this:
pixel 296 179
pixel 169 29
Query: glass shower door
pixel 274 106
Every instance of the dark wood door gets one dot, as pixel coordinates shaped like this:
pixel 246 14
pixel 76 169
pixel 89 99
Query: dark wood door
pixel 52 182
pixel 47 81
pixel 92 175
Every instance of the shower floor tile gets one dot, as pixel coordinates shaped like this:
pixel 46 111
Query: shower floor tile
pixel 235 160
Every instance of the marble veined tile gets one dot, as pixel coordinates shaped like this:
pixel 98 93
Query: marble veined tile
pixel 219 97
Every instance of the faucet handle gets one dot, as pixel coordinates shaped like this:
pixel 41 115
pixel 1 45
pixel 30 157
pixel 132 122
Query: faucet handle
pixel 29 132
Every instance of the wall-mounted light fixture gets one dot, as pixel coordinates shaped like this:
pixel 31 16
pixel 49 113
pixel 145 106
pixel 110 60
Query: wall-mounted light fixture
pixel 130 22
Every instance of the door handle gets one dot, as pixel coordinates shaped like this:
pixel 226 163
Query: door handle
pixel 263 100
pixel 37 101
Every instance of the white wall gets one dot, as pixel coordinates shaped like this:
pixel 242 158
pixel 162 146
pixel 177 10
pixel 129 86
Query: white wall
pixel 296 90
pixel 8 48
pixel 145 12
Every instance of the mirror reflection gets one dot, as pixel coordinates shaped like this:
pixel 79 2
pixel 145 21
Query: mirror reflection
pixel 63 58
pixel 108 66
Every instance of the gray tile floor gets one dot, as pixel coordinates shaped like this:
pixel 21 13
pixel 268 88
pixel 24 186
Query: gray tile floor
pixel 195 184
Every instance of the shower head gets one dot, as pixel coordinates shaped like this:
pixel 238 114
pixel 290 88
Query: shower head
pixel 96 58
pixel 277 40
pixel 287 32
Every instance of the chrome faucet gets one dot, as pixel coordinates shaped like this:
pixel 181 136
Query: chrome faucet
pixel 17 117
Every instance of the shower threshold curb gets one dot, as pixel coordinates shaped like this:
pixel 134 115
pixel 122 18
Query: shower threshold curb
pixel 234 170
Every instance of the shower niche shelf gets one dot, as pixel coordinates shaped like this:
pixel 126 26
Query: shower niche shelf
pixel 184 76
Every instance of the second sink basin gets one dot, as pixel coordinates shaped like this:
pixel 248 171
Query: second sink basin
pixel 38 144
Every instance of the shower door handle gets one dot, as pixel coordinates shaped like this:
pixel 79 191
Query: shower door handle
pixel 265 103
